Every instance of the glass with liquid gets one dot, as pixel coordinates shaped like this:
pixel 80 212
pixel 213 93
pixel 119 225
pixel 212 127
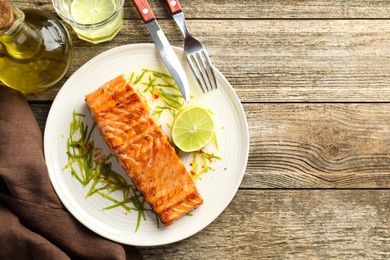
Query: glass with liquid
pixel 94 21
pixel 35 49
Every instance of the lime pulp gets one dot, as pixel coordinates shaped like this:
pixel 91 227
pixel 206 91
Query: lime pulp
pixel 192 128
pixel 92 11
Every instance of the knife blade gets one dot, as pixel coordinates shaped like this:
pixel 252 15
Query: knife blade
pixel 165 49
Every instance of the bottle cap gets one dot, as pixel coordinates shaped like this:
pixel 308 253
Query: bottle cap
pixel 6 15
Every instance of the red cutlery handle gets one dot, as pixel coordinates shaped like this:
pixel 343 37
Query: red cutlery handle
pixel 174 6
pixel 144 10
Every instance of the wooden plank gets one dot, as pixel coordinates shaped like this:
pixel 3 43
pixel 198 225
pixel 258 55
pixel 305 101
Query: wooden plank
pixel 312 145
pixel 318 146
pixel 299 224
pixel 256 9
pixel 282 61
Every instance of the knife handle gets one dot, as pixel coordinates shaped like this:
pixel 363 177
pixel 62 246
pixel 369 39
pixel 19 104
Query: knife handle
pixel 144 10
pixel 174 6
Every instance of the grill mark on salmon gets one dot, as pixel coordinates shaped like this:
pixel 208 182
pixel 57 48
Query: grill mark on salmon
pixel 143 149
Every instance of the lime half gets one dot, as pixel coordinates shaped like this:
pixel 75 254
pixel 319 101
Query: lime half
pixel 192 128
pixel 92 11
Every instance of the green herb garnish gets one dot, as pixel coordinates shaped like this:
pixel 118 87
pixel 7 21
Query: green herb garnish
pixel 160 86
pixel 201 163
pixel 89 165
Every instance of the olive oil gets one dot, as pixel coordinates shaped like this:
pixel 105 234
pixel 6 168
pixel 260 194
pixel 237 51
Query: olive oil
pixel 35 52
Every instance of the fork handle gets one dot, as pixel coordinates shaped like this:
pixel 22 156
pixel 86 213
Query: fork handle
pixel 144 10
pixel 174 6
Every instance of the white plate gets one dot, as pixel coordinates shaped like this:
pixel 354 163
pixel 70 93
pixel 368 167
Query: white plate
pixel 217 187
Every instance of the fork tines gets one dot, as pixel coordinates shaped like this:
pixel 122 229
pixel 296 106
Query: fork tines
pixel 202 70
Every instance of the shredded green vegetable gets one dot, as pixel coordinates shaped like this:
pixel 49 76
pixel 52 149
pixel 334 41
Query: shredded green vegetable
pixel 160 85
pixel 89 166
pixel 201 163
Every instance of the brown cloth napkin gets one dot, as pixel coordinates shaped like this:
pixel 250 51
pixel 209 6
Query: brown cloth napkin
pixel 33 222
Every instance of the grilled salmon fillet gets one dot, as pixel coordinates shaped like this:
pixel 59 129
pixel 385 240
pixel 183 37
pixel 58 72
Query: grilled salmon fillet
pixel 143 149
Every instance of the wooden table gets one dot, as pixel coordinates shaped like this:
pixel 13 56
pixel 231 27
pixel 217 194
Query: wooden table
pixel 314 80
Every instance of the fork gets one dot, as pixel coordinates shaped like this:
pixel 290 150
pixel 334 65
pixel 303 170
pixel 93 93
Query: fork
pixel 195 52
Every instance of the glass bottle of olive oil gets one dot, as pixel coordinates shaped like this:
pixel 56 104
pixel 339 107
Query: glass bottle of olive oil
pixel 35 49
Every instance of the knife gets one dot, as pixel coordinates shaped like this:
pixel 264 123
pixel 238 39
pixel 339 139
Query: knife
pixel 167 54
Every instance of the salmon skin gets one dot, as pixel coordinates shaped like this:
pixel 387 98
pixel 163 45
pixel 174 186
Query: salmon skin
pixel 143 149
